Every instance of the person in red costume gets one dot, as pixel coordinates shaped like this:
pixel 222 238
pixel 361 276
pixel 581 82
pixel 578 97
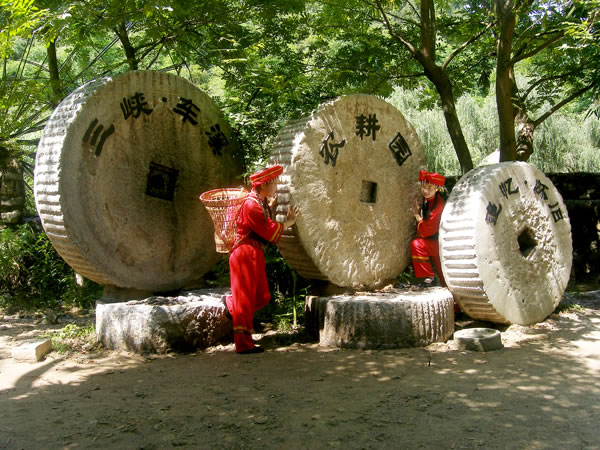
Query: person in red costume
pixel 249 287
pixel 428 214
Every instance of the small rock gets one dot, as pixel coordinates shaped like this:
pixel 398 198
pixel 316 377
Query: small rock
pixel 32 350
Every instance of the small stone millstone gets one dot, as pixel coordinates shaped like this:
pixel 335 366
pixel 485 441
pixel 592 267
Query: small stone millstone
pixel 400 318
pixel 190 321
pixel 478 339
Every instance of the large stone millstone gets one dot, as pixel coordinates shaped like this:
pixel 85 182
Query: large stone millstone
pixel 505 244
pixel 397 319
pixel 191 321
pixel 352 169
pixel 119 169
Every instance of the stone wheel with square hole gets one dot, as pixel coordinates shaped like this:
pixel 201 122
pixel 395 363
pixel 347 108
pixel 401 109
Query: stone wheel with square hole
pixel 352 168
pixel 119 169
pixel 505 244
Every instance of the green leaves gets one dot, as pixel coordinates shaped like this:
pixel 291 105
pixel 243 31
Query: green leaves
pixel 18 18
pixel 32 272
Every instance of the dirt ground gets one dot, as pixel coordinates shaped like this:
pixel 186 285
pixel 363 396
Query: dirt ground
pixel 541 391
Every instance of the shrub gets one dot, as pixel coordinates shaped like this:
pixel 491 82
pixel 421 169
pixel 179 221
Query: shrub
pixel 33 275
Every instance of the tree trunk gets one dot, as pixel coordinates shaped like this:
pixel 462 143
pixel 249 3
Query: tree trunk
pixel 504 102
pixel 425 56
pixel 55 86
pixel 121 31
pixel 525 130
pixel 438 76
pixel 443 85
pixel 453 125
pixel 525 125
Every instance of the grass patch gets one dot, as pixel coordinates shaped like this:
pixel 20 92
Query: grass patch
pixel 568 308
pixel 73 338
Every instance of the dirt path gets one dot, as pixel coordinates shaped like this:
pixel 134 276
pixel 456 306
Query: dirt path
pixel 541 391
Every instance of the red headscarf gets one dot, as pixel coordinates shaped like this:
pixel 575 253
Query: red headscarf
pixel 432 178
pixel 266 175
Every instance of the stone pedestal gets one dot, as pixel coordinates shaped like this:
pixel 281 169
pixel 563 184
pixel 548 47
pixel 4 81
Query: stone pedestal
pixel 189 321
pixel 411 317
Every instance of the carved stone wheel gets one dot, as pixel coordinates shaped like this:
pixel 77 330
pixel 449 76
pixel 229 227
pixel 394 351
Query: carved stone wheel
pixel 505 244
pixel 352 168
pixel 119 169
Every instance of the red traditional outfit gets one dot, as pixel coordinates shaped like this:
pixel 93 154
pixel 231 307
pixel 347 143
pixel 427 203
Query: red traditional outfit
pixel 249 287
pixel 425 247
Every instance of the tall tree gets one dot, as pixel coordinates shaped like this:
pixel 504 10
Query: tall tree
pixel 559 40
pixel 425 53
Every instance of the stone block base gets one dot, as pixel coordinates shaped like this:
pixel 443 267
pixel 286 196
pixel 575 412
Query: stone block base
pixel 187 322
pixel 401 318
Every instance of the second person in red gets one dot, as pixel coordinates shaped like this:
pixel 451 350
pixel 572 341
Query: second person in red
pixel 428 213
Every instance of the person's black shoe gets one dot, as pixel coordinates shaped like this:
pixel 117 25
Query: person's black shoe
pixel 227 313
pixel 252 350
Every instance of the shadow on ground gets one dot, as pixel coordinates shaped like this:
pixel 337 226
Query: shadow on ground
pixel 540 391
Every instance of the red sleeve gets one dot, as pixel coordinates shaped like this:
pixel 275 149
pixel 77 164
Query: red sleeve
pixel 430 226
pixel 269 230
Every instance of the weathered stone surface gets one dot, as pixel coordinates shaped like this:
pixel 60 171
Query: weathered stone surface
pixel 478 339
pixel 355 191
pixel 397 319
pixel 32 350
pixel 505 244
pixel 12 193
pixel 190 321
pixel 119 169
pixel 581 193
pixel 492 158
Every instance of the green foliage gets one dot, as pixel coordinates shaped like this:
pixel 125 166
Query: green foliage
pixel 72 337
pixel 17 18
pixel 218 276
pixel 33 275
pixel 565 142
pixel 564 307
pixel 288 292
pixel 288 289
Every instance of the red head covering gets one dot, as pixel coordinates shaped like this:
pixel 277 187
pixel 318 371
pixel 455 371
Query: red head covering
pixel 266 175
pixel 431 178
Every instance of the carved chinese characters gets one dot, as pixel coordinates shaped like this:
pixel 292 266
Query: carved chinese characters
pixel 352 167
pixel 118 173
pixel 505 244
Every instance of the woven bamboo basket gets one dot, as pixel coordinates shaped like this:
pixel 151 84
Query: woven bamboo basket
pixel 224 205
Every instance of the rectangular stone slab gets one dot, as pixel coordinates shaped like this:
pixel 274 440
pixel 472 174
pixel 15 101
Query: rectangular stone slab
pixel 32 350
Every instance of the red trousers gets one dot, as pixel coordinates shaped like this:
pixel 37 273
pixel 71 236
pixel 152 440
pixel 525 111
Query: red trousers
pixel 423 251
pixel 249 289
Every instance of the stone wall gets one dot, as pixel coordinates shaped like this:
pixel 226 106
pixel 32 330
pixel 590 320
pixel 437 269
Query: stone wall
pixel 581 193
